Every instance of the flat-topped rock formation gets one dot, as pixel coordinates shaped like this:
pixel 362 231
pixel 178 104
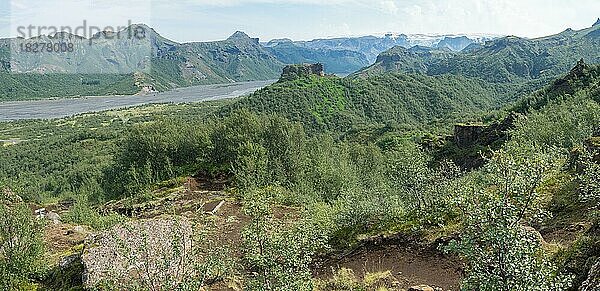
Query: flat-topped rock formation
pixel 291 72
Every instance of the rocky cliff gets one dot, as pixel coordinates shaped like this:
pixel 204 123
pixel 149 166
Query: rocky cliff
pixel 292 72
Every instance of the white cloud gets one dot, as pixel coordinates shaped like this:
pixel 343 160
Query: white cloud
pixel 282 2
pixel 74 13
pixel 215 19
pixel 389 6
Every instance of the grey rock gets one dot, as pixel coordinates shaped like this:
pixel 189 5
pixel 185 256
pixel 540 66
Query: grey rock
pixel 68 261
pixel 79 229
pixel 40 213
pixel 53 216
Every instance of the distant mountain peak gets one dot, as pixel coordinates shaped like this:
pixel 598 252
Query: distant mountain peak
pixel 140 29
pixel 239 35
pixel 279 41
pixel 597 22
pixel 65 35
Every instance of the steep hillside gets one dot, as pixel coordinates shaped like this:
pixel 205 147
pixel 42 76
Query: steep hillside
pixel 569 122
pixel 470 140
pixel 411 100
pixel 239 58
pixel 336 61
pixel 115 63
pixel 582 77
pixel 372 46
pixel 508 59
pixel 15 86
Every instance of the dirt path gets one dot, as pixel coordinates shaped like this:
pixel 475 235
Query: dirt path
pixel 409 265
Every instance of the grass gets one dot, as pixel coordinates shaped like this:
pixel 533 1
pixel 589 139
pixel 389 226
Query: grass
pixel 345 279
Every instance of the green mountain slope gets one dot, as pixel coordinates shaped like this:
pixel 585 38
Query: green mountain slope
pixel 117 64
pixel 581 77
pixel 336 61
pixel 507 59
pixel 239 58
pixel 413 100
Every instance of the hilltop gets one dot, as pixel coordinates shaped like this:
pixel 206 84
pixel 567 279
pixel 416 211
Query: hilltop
pixel 397 99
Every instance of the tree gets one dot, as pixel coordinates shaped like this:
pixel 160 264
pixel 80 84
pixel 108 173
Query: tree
pixel 157 255
pixel 277 254
pixel 21 245
pixel 589 180
pixel 501 252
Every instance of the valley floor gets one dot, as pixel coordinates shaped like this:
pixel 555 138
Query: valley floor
pixel 64 107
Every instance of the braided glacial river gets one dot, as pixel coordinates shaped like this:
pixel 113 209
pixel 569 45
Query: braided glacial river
pixel 64 107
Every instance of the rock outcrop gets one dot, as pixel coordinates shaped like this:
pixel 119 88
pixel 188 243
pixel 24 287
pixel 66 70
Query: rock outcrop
pixel 466 135
pixel 471 143
pixel 292 72
pixel 564 84
pixel 421 288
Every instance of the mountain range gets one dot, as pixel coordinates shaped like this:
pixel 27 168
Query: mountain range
pixel 506 59
pixel 114 64
pixel 372 46
pixel 424 86
pixel 349 54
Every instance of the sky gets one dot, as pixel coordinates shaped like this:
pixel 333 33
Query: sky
pixel 206 20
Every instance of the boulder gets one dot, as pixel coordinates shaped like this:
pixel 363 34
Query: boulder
pixel 136 251
pixel 421 288
pixel 53 216
pixel 79 229
pixel 40 213
pixel 68 261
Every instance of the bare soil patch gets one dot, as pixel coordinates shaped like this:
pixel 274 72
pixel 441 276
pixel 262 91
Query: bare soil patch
pixel 409 263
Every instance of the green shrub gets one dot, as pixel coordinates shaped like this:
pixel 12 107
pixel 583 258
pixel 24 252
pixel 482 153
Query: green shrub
pixel 501 254
pixel 82 213
pixel 21 246
pixel 589 181
pixel 278 254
